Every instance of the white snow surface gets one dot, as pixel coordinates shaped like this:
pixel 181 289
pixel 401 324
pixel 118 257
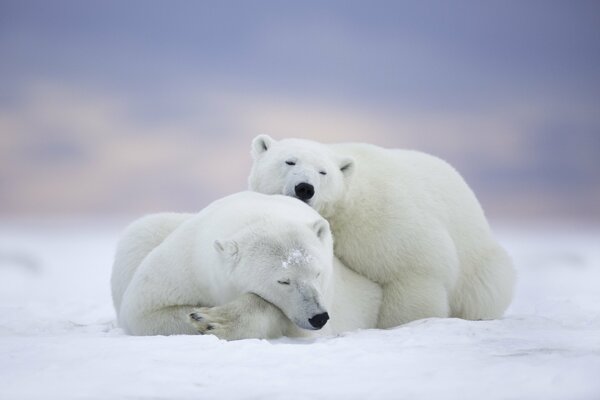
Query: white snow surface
pixel 59 339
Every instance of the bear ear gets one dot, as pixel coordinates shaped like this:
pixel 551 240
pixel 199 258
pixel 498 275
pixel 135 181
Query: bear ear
pixel 346 166
pixel 321 228
pixel 261 144
pixel 227 248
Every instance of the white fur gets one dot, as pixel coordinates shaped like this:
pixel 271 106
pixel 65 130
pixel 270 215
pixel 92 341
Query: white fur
pixel 403 219
pixel 225 267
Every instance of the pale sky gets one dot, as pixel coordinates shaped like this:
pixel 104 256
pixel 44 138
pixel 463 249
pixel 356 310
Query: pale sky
pixel 132 107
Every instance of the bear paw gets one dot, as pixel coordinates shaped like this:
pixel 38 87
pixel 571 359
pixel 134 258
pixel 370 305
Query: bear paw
pixel 209 321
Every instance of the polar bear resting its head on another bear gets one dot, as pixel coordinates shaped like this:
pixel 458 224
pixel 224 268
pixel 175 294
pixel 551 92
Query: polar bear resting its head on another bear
pixel 404 219
pixel 247 266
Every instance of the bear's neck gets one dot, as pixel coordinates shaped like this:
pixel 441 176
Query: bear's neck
pixel 341 215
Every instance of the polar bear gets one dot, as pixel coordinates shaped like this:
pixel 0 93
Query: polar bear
pixel 247 266
pixel 403 219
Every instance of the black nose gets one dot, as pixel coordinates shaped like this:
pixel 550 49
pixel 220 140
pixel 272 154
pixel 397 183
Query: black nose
pixel 319 320
pixel 305 191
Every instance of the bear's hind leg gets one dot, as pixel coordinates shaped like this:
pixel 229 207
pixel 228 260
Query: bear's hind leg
pixel 485 290
pixel 412 299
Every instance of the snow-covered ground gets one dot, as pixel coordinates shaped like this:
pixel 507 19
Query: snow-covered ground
pixel 58 338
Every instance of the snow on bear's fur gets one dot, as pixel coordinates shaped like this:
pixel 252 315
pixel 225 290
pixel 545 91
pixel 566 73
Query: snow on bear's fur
pixel 247 266
pixel 404 219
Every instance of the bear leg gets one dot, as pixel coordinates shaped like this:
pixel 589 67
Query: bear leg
pixel 411 299
pixel 170 320
pixel 249 316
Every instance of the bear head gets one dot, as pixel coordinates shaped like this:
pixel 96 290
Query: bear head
pixel 303 169
pixel 287 264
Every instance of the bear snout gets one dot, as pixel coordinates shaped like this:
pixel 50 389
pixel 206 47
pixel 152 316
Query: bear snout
pixel 304 191
pixel 319 320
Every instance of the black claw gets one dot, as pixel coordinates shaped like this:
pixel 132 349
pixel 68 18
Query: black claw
pixel 196 317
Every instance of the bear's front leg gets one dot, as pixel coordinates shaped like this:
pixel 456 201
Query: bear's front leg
pixel 249 316
pixel 411 299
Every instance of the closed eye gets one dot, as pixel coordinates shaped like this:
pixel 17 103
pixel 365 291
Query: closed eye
pixel 284 282
pixel 290 163
pixel 323 172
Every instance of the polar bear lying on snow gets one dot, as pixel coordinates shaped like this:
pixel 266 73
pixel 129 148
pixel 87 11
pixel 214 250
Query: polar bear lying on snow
pixel 247 266
pixel 403 219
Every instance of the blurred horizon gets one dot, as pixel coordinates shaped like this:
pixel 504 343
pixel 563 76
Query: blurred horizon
pixel 111 108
